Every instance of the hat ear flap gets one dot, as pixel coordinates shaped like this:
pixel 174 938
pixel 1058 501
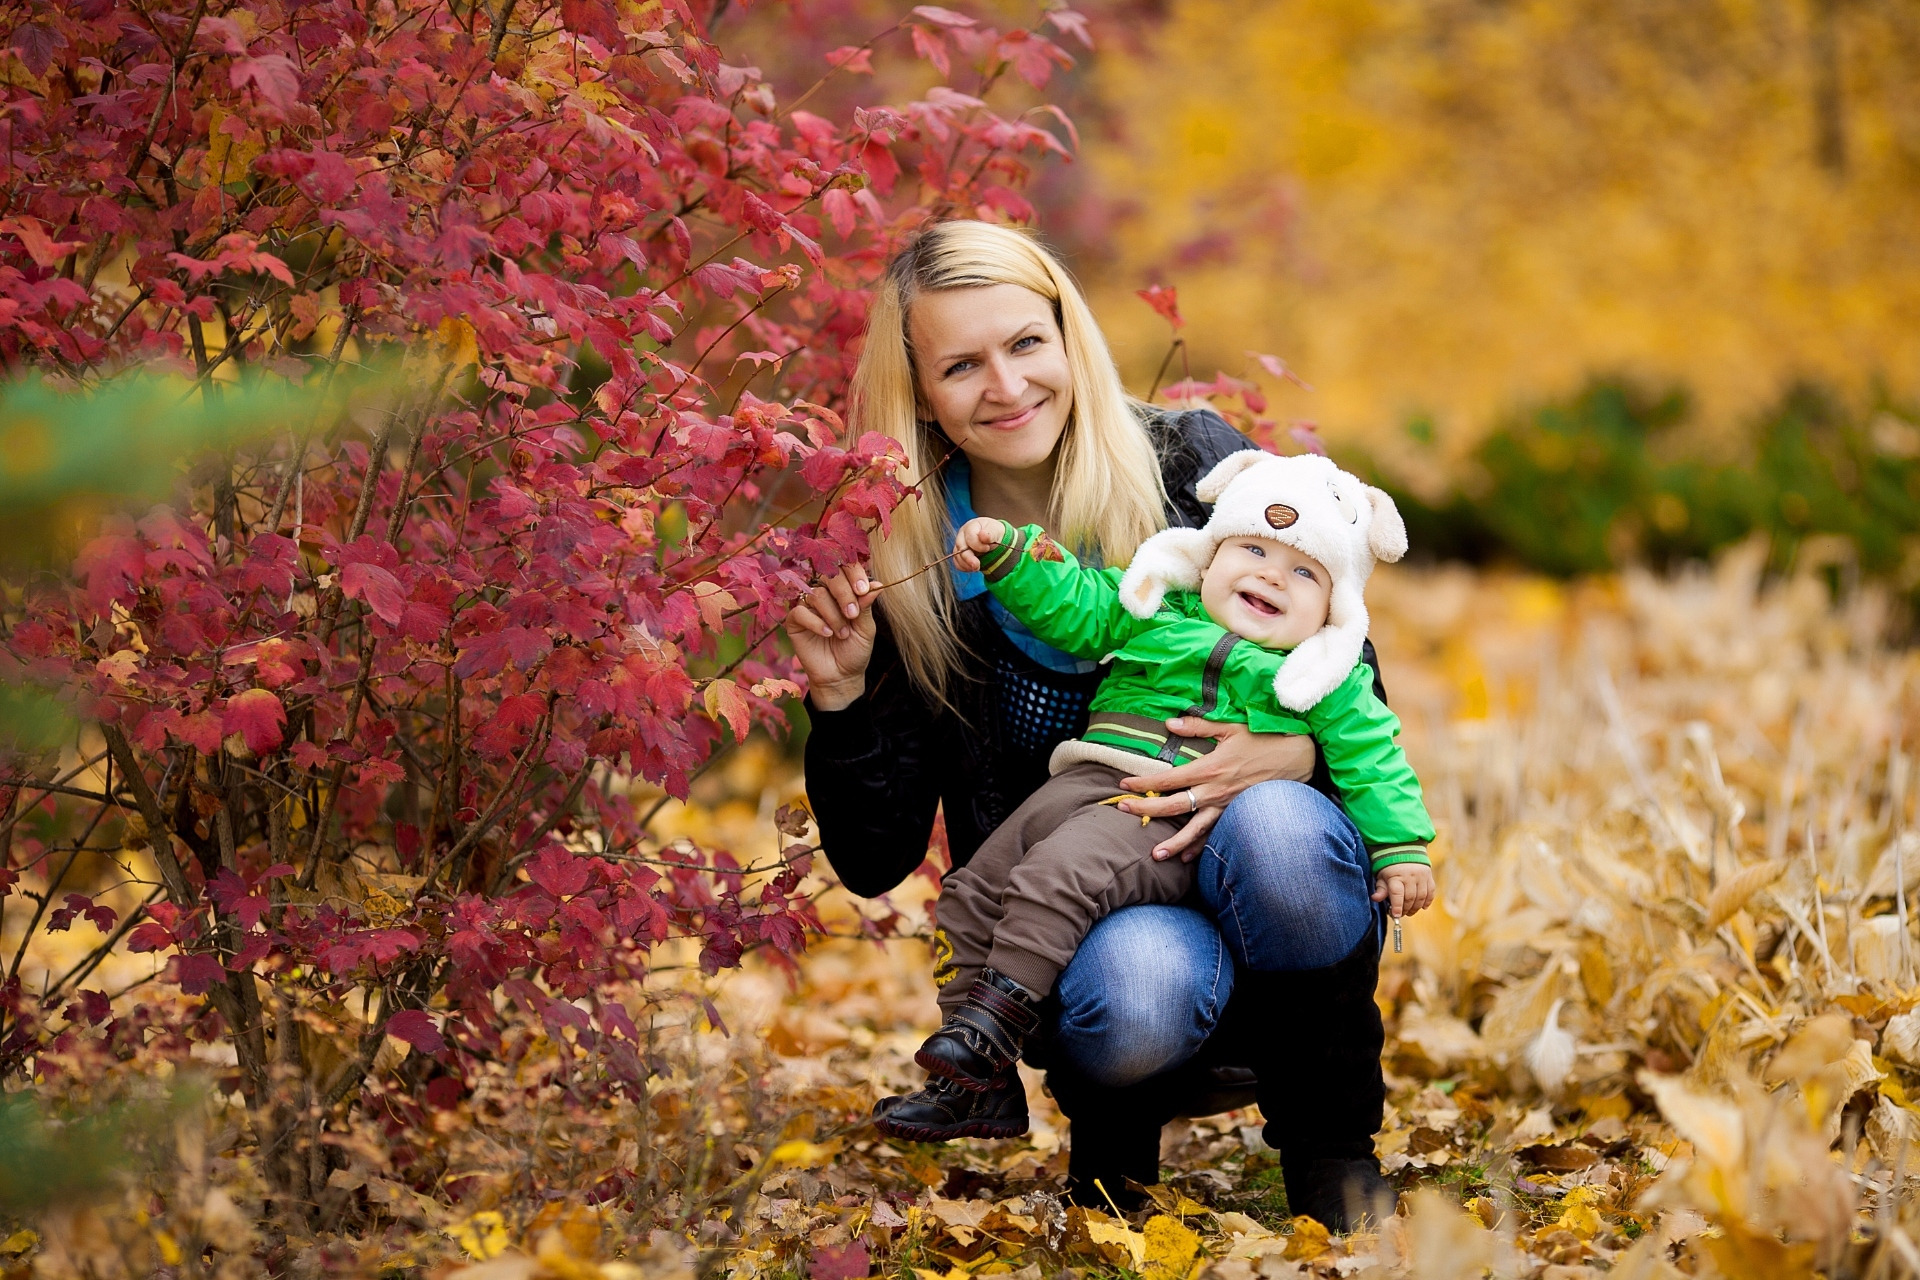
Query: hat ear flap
pixel 1216 481
pixel 1387 535
pixel 1322 661
pixel 1171 560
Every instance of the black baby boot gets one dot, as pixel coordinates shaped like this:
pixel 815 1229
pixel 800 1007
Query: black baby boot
pixel 945 1110
pixel 981 1040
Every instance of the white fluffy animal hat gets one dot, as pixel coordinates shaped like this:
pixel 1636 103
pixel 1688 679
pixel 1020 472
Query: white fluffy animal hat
pixel 1309 504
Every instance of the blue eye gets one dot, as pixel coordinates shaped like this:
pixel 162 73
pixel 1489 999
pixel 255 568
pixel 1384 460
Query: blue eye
pixel 1257 549
pixel 1023 343
pixel 1306 573
pixel 957 367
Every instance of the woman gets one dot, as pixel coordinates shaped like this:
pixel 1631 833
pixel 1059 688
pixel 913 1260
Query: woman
pixel 984 361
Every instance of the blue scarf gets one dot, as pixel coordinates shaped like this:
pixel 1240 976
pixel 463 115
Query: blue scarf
pixel 959 484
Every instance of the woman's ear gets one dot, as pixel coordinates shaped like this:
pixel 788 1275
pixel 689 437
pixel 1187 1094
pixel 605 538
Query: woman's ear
pixel 1216 481
pixel 1387 535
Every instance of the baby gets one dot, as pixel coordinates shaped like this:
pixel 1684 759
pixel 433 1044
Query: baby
pixel 1258 618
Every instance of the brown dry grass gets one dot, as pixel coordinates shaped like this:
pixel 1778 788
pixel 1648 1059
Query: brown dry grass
pixel 1662 1019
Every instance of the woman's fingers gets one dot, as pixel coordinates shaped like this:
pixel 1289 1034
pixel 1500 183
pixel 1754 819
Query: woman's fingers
pixel 805 618
pixel 1198 774
pixel 846 599
pixel 1168 804
pixel 1188 841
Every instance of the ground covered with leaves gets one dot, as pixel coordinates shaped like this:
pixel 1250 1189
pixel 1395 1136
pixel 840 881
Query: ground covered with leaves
pixel 1662 1021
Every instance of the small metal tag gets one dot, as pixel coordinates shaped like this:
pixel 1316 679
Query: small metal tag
pixel 1280 515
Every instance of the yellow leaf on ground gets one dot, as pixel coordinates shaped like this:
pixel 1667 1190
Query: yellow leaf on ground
pixel 1170 1248
pixel 804 1155
pixel 1308 1241
pixel 482 1236
pixel 1119 1234
pixel 19 1242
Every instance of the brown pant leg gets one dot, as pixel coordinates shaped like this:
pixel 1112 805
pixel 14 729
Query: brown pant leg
pixel 1088 866
pixel 968 909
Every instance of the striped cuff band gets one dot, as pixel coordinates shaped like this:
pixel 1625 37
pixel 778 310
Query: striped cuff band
pixel 1395 855
pixel 998 563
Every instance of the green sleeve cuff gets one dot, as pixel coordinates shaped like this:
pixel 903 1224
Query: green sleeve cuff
pixel 1395 855
pixel 999 562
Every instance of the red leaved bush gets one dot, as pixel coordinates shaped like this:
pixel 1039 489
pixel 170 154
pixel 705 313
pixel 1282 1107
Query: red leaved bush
pixel 371 689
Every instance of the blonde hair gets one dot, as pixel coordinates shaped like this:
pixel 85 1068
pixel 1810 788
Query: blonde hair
pixel 1107 493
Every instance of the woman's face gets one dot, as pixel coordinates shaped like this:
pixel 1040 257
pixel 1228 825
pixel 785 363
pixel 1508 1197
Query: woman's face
pixel 991 369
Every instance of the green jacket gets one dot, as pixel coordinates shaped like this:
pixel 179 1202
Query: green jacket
pixel 1180 662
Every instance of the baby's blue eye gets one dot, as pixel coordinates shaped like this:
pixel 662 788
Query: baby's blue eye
pixel 1257 550
pixel 1306 573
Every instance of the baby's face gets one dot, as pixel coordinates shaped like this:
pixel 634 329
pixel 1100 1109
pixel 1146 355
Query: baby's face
pixel 1266 591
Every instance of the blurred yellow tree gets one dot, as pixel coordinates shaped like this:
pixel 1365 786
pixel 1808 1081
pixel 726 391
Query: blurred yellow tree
pixel 1449 206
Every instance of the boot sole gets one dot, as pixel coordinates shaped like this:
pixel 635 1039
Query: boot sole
pixel 937 1066
pixel 933 1133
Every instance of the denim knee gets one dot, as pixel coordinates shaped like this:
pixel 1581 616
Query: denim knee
pixel 1288 876
pixel 1143 993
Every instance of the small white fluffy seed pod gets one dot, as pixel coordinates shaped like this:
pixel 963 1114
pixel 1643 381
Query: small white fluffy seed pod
pixel 1549 1055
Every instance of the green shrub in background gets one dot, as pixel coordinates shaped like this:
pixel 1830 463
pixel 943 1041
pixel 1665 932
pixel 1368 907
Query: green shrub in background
pixel 1605 479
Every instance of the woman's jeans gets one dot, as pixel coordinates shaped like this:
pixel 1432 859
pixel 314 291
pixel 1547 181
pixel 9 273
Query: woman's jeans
pixel 1287 886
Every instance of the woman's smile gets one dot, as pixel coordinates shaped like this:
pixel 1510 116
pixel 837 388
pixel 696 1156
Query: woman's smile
pixel 1017 419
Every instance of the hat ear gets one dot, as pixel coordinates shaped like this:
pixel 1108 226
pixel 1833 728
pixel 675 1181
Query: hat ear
pixel 1323 660
pixel 1216 481
pixel 1387 535
pixel 1171 560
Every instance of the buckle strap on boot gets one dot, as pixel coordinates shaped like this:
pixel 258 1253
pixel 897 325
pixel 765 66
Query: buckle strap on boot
pixel 1002 1019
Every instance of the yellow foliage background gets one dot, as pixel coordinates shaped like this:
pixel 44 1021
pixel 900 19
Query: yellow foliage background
pixel 1450 208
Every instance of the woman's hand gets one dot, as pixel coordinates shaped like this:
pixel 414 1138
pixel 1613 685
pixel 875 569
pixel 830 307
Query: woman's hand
pixel 974 539
pixel 1204 788
pixel 832 634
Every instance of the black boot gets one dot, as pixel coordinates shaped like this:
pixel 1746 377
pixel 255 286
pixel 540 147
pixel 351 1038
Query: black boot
pixel 944 1110
pixel 1114 1137
pixel 1316 1040
pixel 982 1038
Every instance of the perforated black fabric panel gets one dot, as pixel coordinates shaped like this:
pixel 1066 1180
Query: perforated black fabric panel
pixel 1034 715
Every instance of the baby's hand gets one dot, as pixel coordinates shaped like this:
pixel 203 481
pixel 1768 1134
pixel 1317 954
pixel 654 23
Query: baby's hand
pixel 978 535
pixel 1406 887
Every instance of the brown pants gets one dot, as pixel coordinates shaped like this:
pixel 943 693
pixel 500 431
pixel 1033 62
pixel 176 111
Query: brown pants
pixel 1046 876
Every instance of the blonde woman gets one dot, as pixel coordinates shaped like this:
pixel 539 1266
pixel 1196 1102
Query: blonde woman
pixel 984 361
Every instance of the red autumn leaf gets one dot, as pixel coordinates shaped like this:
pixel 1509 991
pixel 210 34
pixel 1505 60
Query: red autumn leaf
pixel 943 17
pixel 1067 22
pixel 559 871
pixel 416 1027
pixel 1279 368
pixel 855 59
pixel 379 588
pixel 257 716
pixel 724 701
pixel 91 1007
pixel 195 974
pixel 273 77
pixel 1165 299
pixel 1045 548
pixel 840 1262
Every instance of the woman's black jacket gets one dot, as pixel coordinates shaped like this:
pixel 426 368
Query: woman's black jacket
pixel 878 769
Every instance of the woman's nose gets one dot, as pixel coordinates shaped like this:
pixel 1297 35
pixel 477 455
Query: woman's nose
pixel 1003 381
